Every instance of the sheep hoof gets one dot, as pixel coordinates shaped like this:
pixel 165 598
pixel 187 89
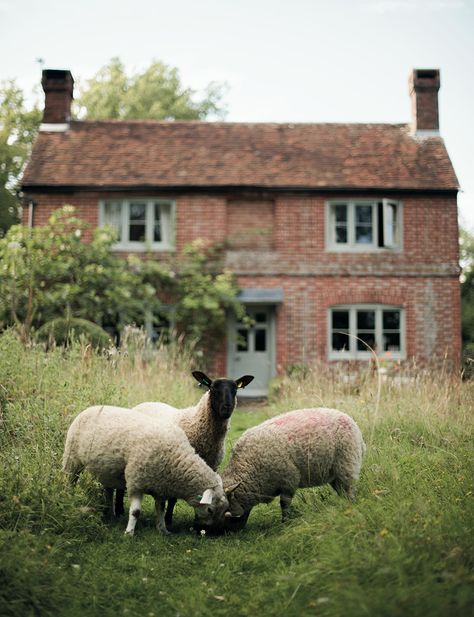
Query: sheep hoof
pixel 128 532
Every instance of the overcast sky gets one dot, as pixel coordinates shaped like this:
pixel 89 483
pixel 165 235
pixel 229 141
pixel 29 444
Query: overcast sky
pixel 283 60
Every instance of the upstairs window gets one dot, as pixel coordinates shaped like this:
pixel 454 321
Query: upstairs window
pixel 363 225
pixel 141 224
pixel 355 328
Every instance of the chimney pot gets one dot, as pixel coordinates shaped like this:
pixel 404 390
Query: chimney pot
pixel 423 87
pixel 58 88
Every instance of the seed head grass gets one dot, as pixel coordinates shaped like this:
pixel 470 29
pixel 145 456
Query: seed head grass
pixel 405 547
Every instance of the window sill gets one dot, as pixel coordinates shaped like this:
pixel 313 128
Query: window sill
pixel 137 247
pixel 363 249
pixel 364 357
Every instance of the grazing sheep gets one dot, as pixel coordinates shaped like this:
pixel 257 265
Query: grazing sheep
pixel 298 449
pixel 124 449
pixel 205 424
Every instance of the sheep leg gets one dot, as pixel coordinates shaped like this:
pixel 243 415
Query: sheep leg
pixel 109 503
pixel 169 511
pixel 134 512
pixel 160 516
pixel 119 507
pixel 285 505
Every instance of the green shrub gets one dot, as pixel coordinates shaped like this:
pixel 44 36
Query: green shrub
pixel 63 330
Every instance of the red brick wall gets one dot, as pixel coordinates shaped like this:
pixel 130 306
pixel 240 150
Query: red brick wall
pixel 422 277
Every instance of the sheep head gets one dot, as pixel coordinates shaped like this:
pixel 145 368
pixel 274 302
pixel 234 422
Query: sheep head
pixel 222 392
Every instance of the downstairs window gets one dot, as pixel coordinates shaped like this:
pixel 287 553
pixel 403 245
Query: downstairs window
pixel 355 329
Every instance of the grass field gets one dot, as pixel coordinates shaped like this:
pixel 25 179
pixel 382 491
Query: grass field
pixel 406 547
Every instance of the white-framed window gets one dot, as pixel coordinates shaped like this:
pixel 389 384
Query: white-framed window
pixel 363 225
pixel 353 327
pixel 142 224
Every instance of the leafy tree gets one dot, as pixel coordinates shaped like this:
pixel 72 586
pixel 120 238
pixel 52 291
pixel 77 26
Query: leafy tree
pixel 18 126
pixel 467 298
pixel 49 273
pixel 204 295
pixel 155 94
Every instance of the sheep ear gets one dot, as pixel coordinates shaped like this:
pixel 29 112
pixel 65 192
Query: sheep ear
pixel 202 379
pixel 244 381
pixel 230 489
pixel 206 498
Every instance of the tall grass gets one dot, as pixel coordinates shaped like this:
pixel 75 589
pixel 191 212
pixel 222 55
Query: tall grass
pixel 406 547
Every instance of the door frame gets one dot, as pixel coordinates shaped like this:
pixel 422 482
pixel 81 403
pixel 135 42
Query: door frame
pixel 233 367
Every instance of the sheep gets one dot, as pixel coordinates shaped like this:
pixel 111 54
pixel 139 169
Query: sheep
pixel 297 449
pixel 205 424
pixel 124 449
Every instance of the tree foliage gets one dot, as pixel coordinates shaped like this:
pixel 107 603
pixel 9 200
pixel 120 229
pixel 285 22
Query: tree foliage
pixel 18 126
pixel 49 272
pixel 467 298
pixel 155 94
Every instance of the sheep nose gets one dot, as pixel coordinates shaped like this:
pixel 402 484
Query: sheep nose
pixel 226 411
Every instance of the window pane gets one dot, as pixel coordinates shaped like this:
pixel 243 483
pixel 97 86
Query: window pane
pixel 341 234
pixel 390 225
pixel 391 341
pixel 340 212
pixel 260 340
pixel 113 217
pixel 364 214
pixel 340 320
pixel 136 233
pixel 391 320
pixel 366 320
pixel 363 234
pixel 260 317
pixel 363 230
pixel 242 340
pixel 340 341
pixel 137 212
pixel 365 337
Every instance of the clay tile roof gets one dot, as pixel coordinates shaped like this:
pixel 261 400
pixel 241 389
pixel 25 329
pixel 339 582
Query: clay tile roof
pixel 203 154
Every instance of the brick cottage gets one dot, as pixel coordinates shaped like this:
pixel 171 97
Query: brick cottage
pixel 338 233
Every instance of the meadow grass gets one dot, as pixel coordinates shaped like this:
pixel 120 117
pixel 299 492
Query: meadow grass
pixel 405 547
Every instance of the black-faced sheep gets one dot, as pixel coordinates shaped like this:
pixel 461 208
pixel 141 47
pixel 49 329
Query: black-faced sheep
pixel 205 424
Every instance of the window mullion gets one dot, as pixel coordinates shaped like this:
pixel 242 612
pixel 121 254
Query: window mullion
pixel 149 223
pixel 378 332
pixel 351 223
pixel 375 225
pixel 353 331
pixel 125 219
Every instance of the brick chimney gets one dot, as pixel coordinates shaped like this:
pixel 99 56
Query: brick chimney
pixel 423 87
pixel 58 89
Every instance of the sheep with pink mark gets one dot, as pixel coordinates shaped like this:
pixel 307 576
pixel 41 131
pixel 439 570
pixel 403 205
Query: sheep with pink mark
pixel 297 449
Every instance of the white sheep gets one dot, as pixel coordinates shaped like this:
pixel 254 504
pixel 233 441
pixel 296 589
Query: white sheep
pixel 205 424
pixel 297 449
pixel 124 449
